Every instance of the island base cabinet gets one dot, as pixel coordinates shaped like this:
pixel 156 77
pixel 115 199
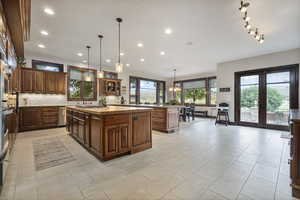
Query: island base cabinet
pixel 110 136
pixel 96 141
pixel 141 132
pixel 117 140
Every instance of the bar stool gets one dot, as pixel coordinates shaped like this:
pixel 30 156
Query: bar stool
pixel 223 113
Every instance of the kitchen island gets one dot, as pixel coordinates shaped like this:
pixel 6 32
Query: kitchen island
pixel 112 131
pixel 165 118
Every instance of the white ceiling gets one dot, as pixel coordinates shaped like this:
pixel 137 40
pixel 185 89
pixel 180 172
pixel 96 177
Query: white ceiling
pixel 214 27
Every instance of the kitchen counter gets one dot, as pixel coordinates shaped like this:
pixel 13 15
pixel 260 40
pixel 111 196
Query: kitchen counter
pixel 109 132
pixel 29 106
pixel 108 110
pixel 165 118
pixel 150 105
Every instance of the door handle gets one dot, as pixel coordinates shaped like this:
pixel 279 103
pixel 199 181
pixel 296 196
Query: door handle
pixel 135 118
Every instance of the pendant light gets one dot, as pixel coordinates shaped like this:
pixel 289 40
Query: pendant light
pixel 174 88
pixel 119 65
pixel 100 73
pixel 88 77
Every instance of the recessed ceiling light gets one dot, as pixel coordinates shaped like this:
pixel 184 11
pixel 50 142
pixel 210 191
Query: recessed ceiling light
pixel 140 44
pixel 108 60
pixel 41 46
pixel 43 32
pixel 168 31
pixel 122 54
pixel 79 54
pixel 84 61
pixel 127 65
pixel 49 11
pixel 162 53
pixel 142 60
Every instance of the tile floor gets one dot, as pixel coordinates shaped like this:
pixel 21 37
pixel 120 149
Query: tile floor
pixel 200 161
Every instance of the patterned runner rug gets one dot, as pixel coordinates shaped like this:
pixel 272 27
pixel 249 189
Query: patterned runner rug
pixel 50 152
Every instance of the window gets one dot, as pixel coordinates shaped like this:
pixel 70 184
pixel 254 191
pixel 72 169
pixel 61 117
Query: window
pixel 81 84
pixel 212 85
pixel 47 66
pixel 199 91
pixel 146 91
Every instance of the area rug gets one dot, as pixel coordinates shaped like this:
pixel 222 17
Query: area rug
pixel 50 152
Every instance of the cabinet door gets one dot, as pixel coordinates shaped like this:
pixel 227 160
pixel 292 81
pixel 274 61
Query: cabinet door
pixel 111 140
pixel 30 118
pixel 50 82
pixel 38 82
pixel 16 80
pixel 141 130
pixel 26 78
pixel 124 138
pixel 96 142
pixel 61 85
pixel 75 125
pixel 81 131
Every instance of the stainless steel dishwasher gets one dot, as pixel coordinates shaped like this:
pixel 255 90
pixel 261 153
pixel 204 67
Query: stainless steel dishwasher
pixel 61 116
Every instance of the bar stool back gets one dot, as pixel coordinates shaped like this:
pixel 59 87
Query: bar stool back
pixel 222 115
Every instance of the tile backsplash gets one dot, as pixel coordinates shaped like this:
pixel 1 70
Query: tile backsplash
pixel 26 99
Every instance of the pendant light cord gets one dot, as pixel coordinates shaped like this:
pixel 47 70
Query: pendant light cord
pixel 100 37
pixel 119 42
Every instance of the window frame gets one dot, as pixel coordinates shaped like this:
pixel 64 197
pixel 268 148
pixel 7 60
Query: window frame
pixel 34 64
pixel 137 89
pixel 94 98
pixel 207 89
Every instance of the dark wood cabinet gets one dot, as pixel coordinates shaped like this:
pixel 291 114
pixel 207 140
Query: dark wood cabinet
pixel 294 160
pixel 112 135
pixel 26 80
pixel 61 83
pixel 50 82
pixel 15 82
pixel 96 133
pixel 32 118
pixel 37 81
pixel 141 131
pixel 110 87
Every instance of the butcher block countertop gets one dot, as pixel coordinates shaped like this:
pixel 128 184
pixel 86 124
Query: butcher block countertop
pixel 109 109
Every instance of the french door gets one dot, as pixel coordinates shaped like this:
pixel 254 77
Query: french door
pixel 264 97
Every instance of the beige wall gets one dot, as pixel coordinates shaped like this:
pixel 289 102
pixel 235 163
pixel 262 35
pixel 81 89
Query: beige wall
pixel 226 70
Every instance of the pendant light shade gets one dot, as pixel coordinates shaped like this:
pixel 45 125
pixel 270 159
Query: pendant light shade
pixel 88 77
pixel 100 73
pixel 119 65
pixel 174 88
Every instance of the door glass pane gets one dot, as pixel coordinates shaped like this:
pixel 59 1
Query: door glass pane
pixel 249 98
pixel 147 92
pixel 278 98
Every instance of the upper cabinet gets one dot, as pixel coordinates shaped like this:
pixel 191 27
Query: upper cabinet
pixel 109 87
pixel 18 19
pixel 44 82
pixel 50 83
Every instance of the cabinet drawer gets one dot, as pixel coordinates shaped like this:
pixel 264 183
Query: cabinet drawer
pixel 158 125
pixel 159 113
pixel 50 120
pixel 116 119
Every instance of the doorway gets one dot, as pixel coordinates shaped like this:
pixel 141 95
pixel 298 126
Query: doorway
pixel 264 97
